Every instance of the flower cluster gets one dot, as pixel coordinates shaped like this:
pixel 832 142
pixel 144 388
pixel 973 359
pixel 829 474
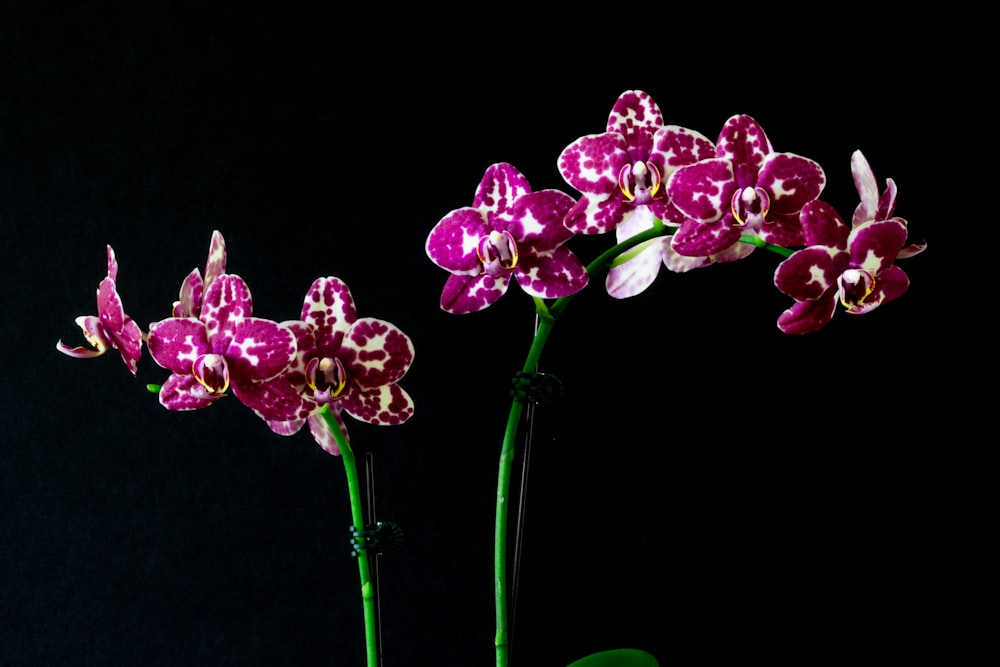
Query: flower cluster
pixel 286 372
pixel 677 199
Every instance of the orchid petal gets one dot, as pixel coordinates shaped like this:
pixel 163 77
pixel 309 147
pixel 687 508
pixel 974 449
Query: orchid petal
pixel 743 142
pixel 634 275
pixel 227 303
pixel 184 392
pixel 591 163
pixel 704 190
pixel 329 309
pixel 810 273
pixel 555 274
pixel 377 352
pixel 176 342
pixel 501 186
pixel 469 294
pixel 791 180
pixel 259 350
pixel 452 242
pixel 808 316
pixel 388 405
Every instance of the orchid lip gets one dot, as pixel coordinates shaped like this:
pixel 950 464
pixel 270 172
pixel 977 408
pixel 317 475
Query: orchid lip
pixel 632 181
pixel 211 372
pixel 497 251
pixel 748 203
pixel 850 282
pixel 327 377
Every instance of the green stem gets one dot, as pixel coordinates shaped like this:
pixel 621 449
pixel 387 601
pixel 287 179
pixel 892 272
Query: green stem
pixel 545 324
pixel 546 320
pixel 353 489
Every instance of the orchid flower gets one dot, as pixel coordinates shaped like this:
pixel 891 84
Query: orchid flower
pixel 621 174
pixel 111 328
pixel 195 285
pixel 350 364
pixel 855 265
pixel 508 231
pixel 225 346
pixel 747 188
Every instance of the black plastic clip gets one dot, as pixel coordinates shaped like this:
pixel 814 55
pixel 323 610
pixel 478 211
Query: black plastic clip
pixel 384 538
pixel 536 387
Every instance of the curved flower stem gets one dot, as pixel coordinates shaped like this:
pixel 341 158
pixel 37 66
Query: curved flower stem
pixel 353 489
pixel 546 320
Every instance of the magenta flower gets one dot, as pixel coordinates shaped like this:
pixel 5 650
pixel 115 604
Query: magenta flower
pixel 856 265
pixel 508 231
pixel 225 347
pixel 195 285
pixel 111 328
pixel 350 364
pixel 621 174
pixel 747 188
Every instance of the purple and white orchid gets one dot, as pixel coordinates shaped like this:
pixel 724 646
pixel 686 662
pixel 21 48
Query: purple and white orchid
pixel 508 231
pixel 747 188
pixel 352 365
pixel 621 175
pixel 855 265
pixel 111 328
pixel 225 346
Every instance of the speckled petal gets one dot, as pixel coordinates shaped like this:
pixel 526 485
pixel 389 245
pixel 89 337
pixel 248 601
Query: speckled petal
pixel 129 344
pixel 593 215
pixel 272 400
pixel 502 184
pixel 453 241
pixel 744 143
pixel 554 274
pixel 591 163
pixel 227 303
pixel 704 239
pixel 184 392
pixel 175 343
pixel 791 180
pixel 330 310
pixel 703 191
pixel 259 350
pixel 469 294
pixel 109 307
pixel 377 352
pixel 675 147
pixel 388 405
pixel 536 221
pixel 636 116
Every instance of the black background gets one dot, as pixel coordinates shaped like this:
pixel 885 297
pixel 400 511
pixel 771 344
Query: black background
pixel 708 489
